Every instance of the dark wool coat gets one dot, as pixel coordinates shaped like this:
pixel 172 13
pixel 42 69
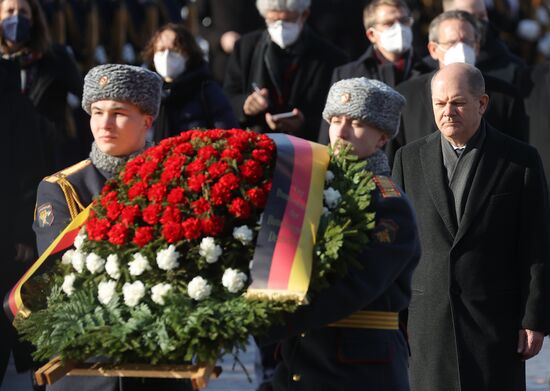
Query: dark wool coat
pixel 194 100
pixel 321 358
pixel 480 282
pixel 537 105
pixel 506 110
pixel 310 83
pixel 88 182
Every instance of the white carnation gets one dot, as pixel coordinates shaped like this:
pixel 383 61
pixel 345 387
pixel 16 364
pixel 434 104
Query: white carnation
pixel 79 239
pixel 243 234
pixel 111 266
pixel 210 250
pixel 332 197
pixel 159 291
pixel 68 284
pixel 106 291
pixel 133 293
pixel 326 212
pixel 67 258
pixel 167 259
pixel 199 289
pixel 78 260
pixel 329 176
pixel 138 265
pixel 233 280
pixel 94 263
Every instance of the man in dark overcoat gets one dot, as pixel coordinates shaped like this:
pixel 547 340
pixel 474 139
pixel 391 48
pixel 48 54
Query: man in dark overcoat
pixel 390 57
pixel 479 307
pixel 285 67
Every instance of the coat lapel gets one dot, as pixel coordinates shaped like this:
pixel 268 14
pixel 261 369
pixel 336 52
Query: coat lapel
pixel 490 165
pixel 432 166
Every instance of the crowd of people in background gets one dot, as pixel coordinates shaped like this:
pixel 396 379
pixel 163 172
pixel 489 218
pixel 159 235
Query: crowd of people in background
pixel 227 64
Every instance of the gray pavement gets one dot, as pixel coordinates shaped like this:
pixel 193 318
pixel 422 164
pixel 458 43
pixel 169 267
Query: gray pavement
pixel 233 377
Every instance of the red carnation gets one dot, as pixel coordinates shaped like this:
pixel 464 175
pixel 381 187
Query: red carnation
pixel 148 168
pixel 195 182
pixel 267 186
pixel 239 208
pixel 200 206
pixel 143 236
pixel 192 228
pixel 217 169
pixel 175 196
pixel 251 170
pixel 106 199
pixel 220 194
pixel 231 181
pixel 151 213
pixel 172 232
pixel 261 155
pixel 257 196
pixel 171 215
pixel 195 167
pixel 156 192
pixel 129 214
pixel 97 228
pixel 117 234
pixel 184 149
pixel 213 226
pixel 207 152
pixel 233 154
pixel 137 190
pixel 113 210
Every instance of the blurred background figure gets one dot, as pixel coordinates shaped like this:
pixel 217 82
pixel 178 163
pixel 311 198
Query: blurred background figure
pixel 190 97
pixel 48 74
pixel 283 68
pixel 222 23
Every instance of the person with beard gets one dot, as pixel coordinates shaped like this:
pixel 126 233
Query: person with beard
pixel 190 97
pixel 284 68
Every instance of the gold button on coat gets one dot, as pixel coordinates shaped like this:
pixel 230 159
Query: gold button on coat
pixel 296 377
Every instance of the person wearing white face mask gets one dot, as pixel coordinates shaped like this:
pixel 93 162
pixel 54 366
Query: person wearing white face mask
pixel 191 98
pixel 390 58
pixel 454 37
pixel 284 68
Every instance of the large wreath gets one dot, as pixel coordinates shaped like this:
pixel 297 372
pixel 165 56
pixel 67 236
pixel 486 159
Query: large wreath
pixel 158 272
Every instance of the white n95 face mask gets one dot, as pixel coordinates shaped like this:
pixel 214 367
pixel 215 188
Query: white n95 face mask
pixel 283 33
pixel 460 52
pixel 169 64
pixel 397 39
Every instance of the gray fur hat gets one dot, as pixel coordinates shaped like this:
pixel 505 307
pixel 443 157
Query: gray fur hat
pixel 124 83
pixel 369 100
pixel 282 5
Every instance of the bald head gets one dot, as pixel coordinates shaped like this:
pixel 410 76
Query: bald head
pixel 475 7
pixel 458 101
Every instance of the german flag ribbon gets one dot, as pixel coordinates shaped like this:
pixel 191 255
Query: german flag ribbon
pixel 284 249
pixel 13 302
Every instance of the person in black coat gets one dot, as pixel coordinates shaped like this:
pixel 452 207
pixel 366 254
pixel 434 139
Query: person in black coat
pixel 284 68
pixel 390 58
pixel 457 29
pixel 494 58
pixel 123 101
pixel 347 337
pixel 537 103
pixel 190 97
pixel 223 23
pixel 480 295
pixel 25 159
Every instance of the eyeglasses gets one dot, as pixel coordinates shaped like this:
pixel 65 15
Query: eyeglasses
pixel 404 20
pixel 449 44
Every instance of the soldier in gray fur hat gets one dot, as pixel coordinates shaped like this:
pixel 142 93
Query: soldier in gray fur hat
pixel 365 113
pixel 122 101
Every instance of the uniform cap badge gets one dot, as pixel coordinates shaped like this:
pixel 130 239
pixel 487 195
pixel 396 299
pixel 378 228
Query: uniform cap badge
pixel 103 80
pixel 345 97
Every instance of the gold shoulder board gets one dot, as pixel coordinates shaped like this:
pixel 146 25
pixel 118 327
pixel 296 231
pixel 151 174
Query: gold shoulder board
pixel 386 186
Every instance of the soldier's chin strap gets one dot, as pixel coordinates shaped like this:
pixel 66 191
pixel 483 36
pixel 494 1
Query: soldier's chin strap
pixel 13 302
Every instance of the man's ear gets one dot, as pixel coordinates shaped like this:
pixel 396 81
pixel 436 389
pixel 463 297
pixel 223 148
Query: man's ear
pixel 148 121
pixel 483 103
pixel 432 49
pixel 370 35
pixel 384 138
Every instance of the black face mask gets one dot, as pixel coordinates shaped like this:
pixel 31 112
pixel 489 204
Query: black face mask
pixel 16 28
